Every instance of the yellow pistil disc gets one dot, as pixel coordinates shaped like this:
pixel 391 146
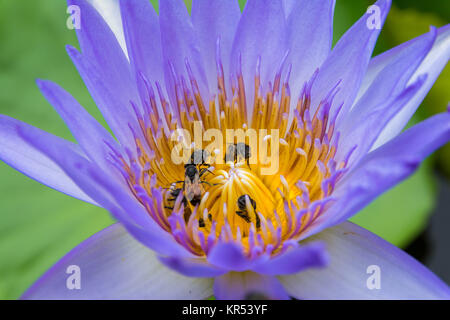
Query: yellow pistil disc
pixel 236 200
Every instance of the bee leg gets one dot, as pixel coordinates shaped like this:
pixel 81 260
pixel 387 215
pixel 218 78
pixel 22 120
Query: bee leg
pixel 205 170
pixel 202 172
pixel 209 184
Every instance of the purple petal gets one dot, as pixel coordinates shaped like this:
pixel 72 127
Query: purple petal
pixel 143 38
pixel 87 131
pixel 229 256
pixel 113 265
pixel 363 129
pixel 110 12
pixel 382 169
pixel 32 162
pixel 363 125
pixel 213 20
pixel 310 32
pixel 248 286
pixel 79 169
pixel 355 255
pixel 261 32
pixel 112 196
pixel 395 75
pixel 348 62
pixel 156 239
pixel 192 267
pixel 378 63
pixel 295 260
pixel 105 71
pixel 179 43
pixel 288 6
pixel 433 64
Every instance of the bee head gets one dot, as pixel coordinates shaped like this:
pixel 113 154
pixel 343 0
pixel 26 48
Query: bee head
pixel 190 171
pixel 243 150
pixel 242 204
pixel 199 156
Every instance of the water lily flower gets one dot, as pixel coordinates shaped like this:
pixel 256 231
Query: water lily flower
pixel 340 116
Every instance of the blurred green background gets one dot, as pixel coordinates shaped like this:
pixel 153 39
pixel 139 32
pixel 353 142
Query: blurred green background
pixel 39 225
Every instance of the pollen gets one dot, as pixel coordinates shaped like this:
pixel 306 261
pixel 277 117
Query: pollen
pixel 203 201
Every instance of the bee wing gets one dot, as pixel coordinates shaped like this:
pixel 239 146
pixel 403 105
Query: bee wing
pixel 197 186
pixel 188 188
pixel 230 154
pixel 192 188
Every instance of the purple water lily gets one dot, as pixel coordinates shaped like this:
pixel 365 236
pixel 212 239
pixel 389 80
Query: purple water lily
pixel 229 230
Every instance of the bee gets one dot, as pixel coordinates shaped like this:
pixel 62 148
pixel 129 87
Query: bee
pixel 200 158
pixel 192 188
pixel 243 212
pixel 238 152
pixel 174 193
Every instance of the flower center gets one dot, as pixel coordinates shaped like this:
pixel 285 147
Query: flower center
pixel 224 192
